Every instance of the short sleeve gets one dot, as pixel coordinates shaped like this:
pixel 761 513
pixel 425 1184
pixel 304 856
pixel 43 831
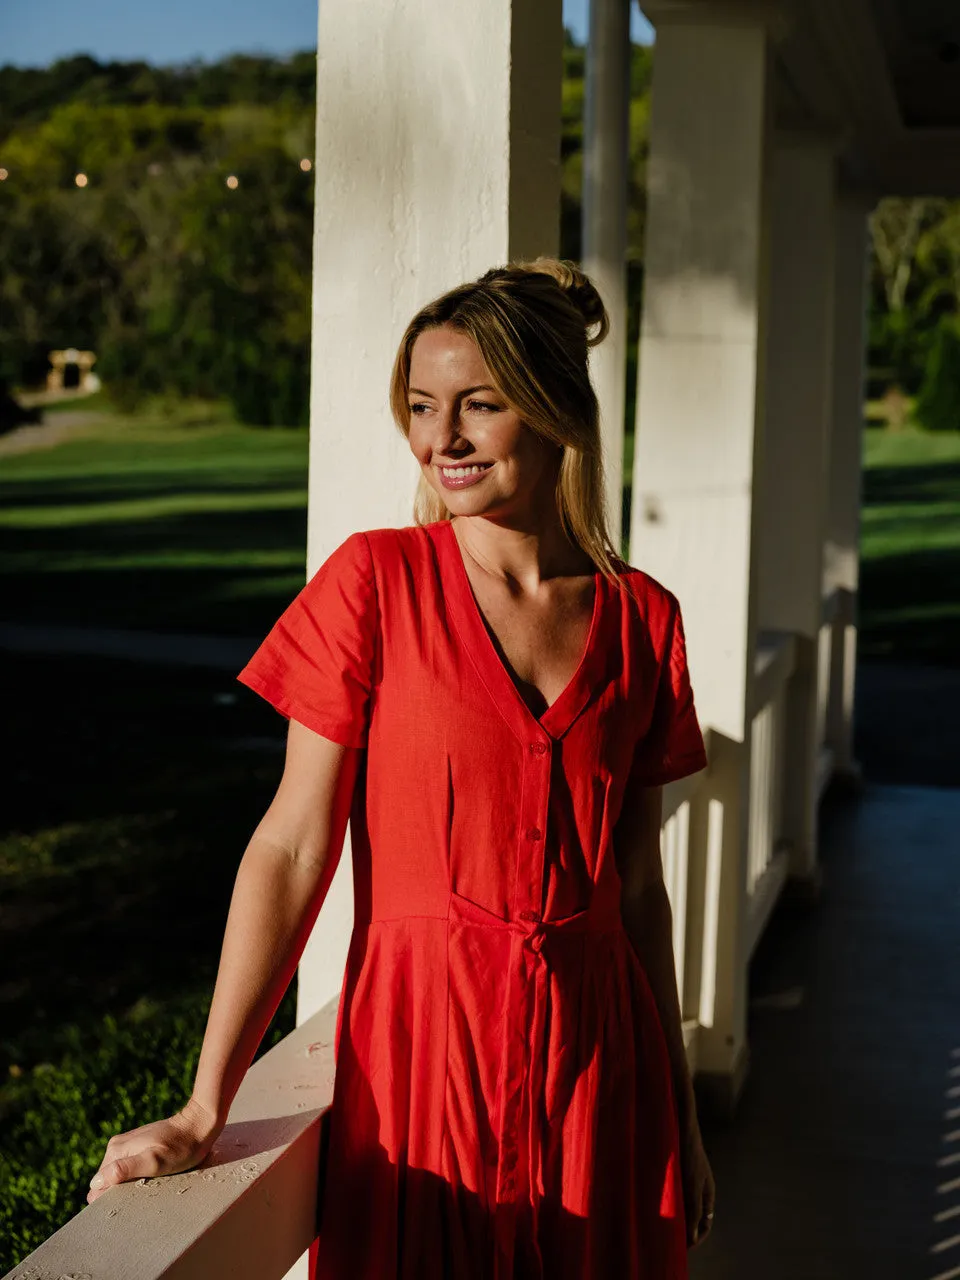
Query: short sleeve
pixel 316 664
pixel 673 746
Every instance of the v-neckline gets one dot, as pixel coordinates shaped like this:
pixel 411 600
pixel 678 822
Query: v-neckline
pixel 492 668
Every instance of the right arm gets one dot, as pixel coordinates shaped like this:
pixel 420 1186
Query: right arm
pixel 280 886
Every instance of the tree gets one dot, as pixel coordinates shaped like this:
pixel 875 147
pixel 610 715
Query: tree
pixel 180 282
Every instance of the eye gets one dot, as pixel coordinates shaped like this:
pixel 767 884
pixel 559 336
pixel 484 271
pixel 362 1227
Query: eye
pixel 418 409
pixel 483 405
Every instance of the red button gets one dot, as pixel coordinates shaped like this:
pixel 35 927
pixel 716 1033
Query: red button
pixel 538 748
pixel 533 833
pixel 531 916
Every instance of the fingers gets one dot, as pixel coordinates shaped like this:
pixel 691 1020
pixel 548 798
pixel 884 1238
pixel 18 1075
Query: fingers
pixel 123 1168
pixel 700 1214
pixel 706 1221
pixel 153 1150
pixel 701 1219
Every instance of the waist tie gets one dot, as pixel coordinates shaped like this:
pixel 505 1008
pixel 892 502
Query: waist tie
pixel 523 1052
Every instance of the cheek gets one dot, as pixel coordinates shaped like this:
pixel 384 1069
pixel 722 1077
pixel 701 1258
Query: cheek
pixel 417 440
pixel 511 443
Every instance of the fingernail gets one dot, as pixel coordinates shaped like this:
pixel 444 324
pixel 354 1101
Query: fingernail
pixel 96 1180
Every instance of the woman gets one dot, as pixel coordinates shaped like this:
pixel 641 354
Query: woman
pixel 496 701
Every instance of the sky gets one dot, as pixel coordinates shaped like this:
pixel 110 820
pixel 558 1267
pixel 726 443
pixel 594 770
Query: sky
pixel 34 33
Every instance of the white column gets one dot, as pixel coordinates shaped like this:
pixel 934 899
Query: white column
pixel 437 157
pixel 606 148
pixel 698 419
pixel 842 552
pixel 793 501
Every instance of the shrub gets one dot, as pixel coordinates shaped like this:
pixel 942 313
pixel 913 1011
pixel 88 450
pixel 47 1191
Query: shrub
pixel 56 1118
pixel 938 404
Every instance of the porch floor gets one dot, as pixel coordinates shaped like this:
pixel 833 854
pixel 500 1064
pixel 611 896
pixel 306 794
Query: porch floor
pixel 843 1161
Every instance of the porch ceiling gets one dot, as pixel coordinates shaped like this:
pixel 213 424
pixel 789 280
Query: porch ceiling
pixel 921 39
pixel 884 77
pixel 880 77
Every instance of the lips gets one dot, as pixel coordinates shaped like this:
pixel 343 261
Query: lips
pixel 462 477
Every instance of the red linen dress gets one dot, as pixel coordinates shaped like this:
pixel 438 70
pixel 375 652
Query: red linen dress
pixel 503 1105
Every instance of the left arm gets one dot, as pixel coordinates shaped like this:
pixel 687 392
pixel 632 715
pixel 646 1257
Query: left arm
pixel 648 921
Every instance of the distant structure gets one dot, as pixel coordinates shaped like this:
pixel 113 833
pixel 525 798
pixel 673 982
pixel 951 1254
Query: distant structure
pixel 69 365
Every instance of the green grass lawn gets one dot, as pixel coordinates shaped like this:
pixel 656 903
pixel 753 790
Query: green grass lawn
pixel 910 548
pixel 184 522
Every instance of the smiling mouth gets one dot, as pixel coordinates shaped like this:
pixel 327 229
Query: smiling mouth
pixel 460 477
pixel 468 469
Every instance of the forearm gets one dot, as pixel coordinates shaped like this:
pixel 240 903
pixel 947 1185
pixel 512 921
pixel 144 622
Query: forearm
pixel 648 920
pixel 274 905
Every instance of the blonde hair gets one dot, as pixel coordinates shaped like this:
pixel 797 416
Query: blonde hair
pixel 533 323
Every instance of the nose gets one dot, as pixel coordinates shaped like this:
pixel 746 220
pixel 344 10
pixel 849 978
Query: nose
pixel 446 438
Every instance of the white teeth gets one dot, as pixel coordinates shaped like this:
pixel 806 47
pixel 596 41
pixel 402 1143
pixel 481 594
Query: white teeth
pixel 457 473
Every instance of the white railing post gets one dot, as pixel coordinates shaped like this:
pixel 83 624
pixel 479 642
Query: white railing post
pixel 841 558
pixel 768 851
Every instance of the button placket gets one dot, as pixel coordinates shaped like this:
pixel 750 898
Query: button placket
pixel 535 799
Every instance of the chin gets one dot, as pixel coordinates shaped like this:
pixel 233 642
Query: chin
pixel 465 502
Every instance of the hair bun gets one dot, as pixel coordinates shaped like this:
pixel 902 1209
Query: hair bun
pixel 581 291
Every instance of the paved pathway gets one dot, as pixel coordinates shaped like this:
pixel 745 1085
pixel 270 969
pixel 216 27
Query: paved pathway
pixel 843 1161
pixel 45 434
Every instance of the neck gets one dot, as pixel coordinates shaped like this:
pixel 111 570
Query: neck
pixel 525 555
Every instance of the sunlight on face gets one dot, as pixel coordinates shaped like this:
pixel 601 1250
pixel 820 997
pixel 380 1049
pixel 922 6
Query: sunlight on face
pixel 472 446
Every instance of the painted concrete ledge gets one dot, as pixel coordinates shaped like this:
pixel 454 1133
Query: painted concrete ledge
pixel 250 1210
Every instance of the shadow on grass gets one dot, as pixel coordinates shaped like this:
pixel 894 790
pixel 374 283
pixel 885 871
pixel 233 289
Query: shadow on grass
pixel 129 809
pixel 910 607
pixel 923 482
pixel 219 572
pixel 135 486
pixel 910 573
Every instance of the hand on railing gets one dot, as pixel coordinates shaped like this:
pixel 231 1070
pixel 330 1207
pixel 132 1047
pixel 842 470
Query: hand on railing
pixel 164 1146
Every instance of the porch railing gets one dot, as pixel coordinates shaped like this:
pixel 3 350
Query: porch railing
pixel 835 685
pixel 248 1213
pixel 767 855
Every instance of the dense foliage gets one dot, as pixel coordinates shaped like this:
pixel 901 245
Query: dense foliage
pixel 915 306
pixel 179 281
pixel 182 283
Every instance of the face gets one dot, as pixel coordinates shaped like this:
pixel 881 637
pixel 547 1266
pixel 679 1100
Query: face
pixel 472 447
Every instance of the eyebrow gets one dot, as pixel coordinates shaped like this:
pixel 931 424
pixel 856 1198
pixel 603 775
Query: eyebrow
pixel 415 391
